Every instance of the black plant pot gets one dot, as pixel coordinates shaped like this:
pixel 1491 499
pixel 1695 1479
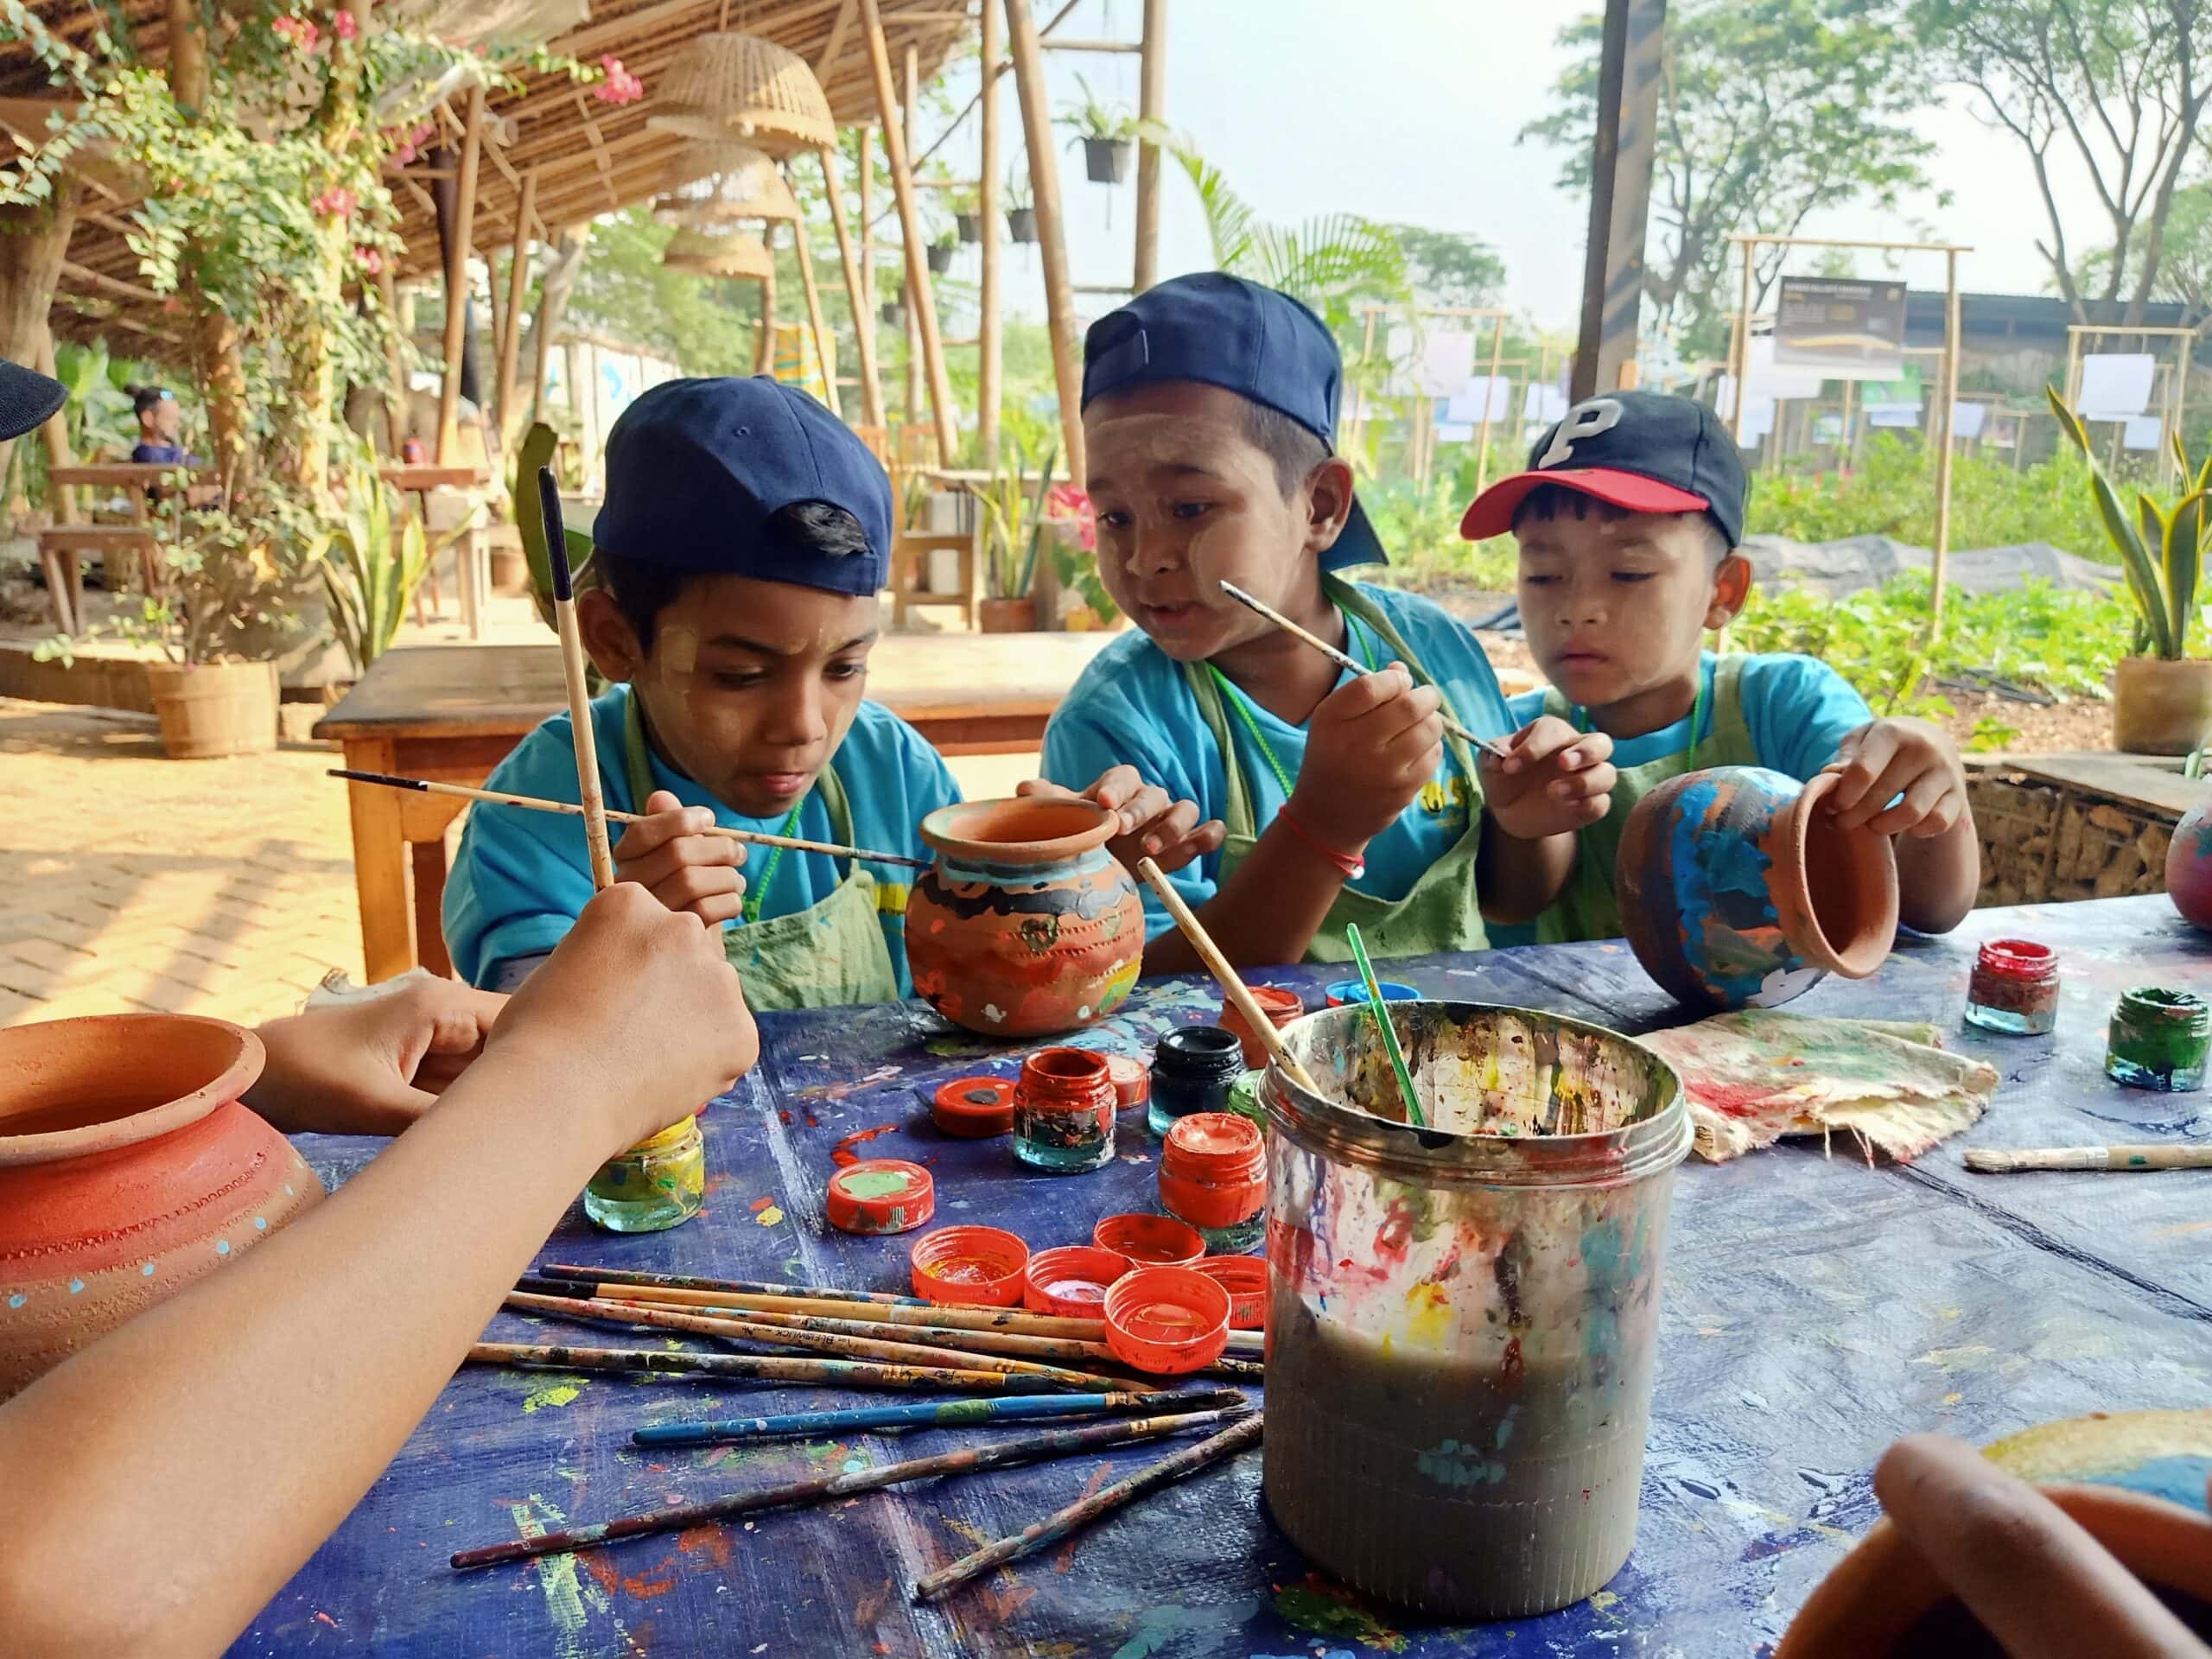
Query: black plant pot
pixel 1107 159
pixel 969 226
pixel 940 258
pixel 1021 224
pixel 894 316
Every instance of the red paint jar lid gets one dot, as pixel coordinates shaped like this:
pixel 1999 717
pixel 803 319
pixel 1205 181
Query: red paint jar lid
pixel 1213 1170
pixel 1071 1281
pixel 974 1109
pixel 1167 1320
pixel 1245 1279
pixel 971 1267
pixel 1132 1080
pixel 880 1195
pixel 1150 1241
pixel 1282 1007
pixel 2021 959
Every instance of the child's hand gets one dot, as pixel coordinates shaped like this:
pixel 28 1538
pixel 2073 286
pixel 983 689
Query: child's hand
pixel 1553 781
pixel 1885 758
pixel 675 855
pixel 1370 748
pixel 373 1063
pixel 1167 832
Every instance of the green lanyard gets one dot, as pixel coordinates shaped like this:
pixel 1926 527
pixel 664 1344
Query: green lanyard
pixel 1697 722
pixel 1243 705
pixel 757 895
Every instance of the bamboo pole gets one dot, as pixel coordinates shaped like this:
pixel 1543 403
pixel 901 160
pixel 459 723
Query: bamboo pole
pixel 910 98
pixel 855 287
pixel 1152 106
pixel 1742 366
pixel 824 351
pixel 990 338
pixel 1944 456
pixel 867 220
pixel 1052 240
pixel 518 290
pixel 464 226
pixel 1490 391
pixel 910 226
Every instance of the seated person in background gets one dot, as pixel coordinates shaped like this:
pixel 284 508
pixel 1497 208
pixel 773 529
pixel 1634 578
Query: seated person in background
pixel 160 428
pixel 1629 518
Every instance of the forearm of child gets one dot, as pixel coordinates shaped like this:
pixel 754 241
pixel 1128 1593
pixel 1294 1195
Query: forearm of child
pixel 1938 877
pixel 1265 914
pixel 1518 879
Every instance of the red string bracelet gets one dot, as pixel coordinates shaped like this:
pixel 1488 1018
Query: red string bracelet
pixel 1353 868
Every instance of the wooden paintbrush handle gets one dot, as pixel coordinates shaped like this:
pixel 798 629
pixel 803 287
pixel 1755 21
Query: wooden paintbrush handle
pixel 588 790
pixel 1990 1160
pixel 1232 983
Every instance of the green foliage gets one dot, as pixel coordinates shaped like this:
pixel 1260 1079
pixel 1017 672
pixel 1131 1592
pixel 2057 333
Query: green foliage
pixel 376 557
pixel 1419 530
pixel 536 450
pixel 98 416
pixel 704 324
pixel 1097 120
pixel 1892 491
pixel 1013 512
pixel 1449 267
pixel 2160 549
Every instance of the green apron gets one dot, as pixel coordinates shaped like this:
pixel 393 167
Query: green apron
pixel 1586 908
pixel 830 954
pixel 1440 912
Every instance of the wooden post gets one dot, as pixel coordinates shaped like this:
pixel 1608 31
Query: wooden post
pixel 1629 69
pixel 990 338
pixel 1843 438
pixel 1742 369
pixel 34 242
pixel 1051 241
pixel 855 283
pixel 395 360
pixel 764 334
pixel 1950 395
pixel 1358 428
pixel 824 344
pixel 518 290
pixel 464 226
pixel 1490 390
pixel 910 98
pixel 910 226
pixel 867 221
pixel 1152 106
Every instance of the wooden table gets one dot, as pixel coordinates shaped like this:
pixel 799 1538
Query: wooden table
pixel 452 713
pixel 62 544
pixel 472 554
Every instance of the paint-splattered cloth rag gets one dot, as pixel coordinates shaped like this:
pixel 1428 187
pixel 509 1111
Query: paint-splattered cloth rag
pixel 1755 1076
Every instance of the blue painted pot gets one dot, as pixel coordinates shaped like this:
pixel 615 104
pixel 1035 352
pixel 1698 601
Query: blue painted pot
pixel 1736 891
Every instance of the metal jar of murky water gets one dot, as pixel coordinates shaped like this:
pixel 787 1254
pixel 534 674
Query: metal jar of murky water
pixel 1462 1317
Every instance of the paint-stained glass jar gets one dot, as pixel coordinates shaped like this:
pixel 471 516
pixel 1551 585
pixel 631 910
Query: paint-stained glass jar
pixel 2014 988
pixel 2158 1039
pixel 1064 1111
pixel 657 1185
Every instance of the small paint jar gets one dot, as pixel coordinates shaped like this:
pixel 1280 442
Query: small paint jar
pixel 1244 1098
pixel 2158 1039
pixel 1245 1279
pixel 1280 1008
pixel 1150 1241
pixel 2014 988
pixel 1167 1320
pixel 1071 1281
pixel 974 1109
pixel 1213 1174
pixel 970 1267
pixel 880 1196
pixel 1347 991
pixel 658 1184
pixel 1064 1111
pixel 1132 1081
pixel 1193 1068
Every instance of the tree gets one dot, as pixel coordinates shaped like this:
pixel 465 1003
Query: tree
pixel 1450 267
pixel 2114 90
pixel 2184 273
pixel 1767 110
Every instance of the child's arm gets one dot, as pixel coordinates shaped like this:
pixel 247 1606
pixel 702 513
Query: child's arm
pixel 1915 766
pixel 373 1063
pixel 264 1401
pixel 1553 781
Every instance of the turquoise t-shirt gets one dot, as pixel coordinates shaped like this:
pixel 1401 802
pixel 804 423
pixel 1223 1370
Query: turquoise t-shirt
pixel 521 876
pixel 1133 705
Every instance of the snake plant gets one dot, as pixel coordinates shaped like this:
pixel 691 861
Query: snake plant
pixel 2161 548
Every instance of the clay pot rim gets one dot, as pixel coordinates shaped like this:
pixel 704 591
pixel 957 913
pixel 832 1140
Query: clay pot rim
pixel 941 829
pixel 238 1074
pixel 1859 958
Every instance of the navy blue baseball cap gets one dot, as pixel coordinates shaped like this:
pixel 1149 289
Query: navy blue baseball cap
pixel 695 469
pixel 1642 451
pixel 1259 343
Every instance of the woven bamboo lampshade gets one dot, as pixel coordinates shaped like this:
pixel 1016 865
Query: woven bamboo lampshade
pixel 745 184
pixel 719 256
pixel 742 86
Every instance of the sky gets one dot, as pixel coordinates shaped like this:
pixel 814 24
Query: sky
pixel 1409 109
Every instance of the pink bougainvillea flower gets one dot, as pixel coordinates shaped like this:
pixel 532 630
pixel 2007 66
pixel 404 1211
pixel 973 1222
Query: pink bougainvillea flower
pixel 343 26
pixel 371 261
pixel 1064 501
pixel 337 202
pixel 299 31
pixel 619 86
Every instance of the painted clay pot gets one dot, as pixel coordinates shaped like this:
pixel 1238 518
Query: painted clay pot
pixel 1736 891
pixel 1026 925
pixel 2189 866
pixel 128 1169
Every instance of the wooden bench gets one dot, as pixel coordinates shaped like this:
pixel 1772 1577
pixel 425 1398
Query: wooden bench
pixel 62 547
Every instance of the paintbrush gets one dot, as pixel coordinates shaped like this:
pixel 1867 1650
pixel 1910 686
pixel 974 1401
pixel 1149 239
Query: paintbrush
pixel 539 804
pixel 1232 986
pixel 1490 746
pixel 1383 1023
pixel 830 1373
pixel 1032 1448
pixel 947 1414
pixel 873 1348
pixel 1990 1160
pixel 1084 1511
pixel 572 670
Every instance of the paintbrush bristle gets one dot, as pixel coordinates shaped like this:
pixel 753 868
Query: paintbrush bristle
pixel 556 536
pixel 381 778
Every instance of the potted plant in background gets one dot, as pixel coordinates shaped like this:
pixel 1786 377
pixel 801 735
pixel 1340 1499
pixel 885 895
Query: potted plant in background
pixel 1020 215
pixel 968 215
pixel 940 257
pixel 1014 516
pixel 1108 136
pixel 375 560
pixel 893 313
pixel 2161 696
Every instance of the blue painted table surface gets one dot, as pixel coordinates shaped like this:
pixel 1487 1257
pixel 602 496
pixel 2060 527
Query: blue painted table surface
pixel 1815 1308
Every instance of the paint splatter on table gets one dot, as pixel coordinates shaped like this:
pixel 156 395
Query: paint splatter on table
pixel 1814 1310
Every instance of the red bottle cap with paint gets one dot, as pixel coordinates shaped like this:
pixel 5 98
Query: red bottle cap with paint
pixel 975 1108
pixel 1213 1170
pixel 1132 1080
pixel 1150 1241
pixel 1071 1281
pixel 1167 1320
pixel 1245 1279
pixel 880 1195
pixel 970 1266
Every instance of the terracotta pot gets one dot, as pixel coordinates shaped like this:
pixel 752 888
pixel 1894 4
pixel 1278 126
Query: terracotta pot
pixel 1026 925
pixel 128 1169
pixel 509 570
pixel 1008 615
pixel 2189 866
pixel 210 709
pixel 2160 707
pixel 1736 891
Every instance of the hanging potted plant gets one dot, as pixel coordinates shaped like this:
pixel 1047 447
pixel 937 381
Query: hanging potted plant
pixel 1108 136
pixel 940 257
pixel 893 313
pixel 1020 216
pixel 2162 697
pixel 968 216
pixel 1013 526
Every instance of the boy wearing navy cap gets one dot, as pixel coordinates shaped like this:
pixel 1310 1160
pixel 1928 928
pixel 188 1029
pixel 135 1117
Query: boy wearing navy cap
pixel 1210 409
pixel 1628 520
pixel 738 557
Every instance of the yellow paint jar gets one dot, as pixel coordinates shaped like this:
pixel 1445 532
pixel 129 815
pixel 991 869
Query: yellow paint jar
pixel 657 1185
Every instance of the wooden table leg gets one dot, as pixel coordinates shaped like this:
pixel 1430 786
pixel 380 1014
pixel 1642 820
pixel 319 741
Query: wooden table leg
pixel 429 859
pixel 380 861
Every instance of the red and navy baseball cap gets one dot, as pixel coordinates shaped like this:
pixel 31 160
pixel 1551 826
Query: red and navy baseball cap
pixel 1257 342
pixel 1642 451
pixel 695 469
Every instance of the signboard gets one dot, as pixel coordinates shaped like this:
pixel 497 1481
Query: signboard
pixel 1845 328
